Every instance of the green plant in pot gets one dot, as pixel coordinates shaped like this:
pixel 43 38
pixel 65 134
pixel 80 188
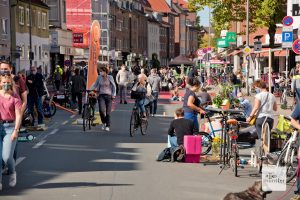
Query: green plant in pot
pixel 225 92
pixel 217 101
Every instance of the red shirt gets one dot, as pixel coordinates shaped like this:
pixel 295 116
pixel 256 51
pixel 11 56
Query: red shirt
pixel 8 107
pixel 20 86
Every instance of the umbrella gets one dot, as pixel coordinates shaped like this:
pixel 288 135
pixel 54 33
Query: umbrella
pixel 181 60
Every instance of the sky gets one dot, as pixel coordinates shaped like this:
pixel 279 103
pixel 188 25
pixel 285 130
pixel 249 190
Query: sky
pixel 204 16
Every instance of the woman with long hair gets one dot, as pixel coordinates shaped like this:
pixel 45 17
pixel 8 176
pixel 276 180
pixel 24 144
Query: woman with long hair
pixel 10 120
pixel 106 87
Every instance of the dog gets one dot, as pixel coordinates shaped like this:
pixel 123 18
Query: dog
pixel 254 192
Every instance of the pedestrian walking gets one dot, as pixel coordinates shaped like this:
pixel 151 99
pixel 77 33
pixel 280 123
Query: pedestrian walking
pixel 106 87
pixel 155 83
pixel 57 77
pixel 191 103
pixel 10 120
pixel 78 86
pixel 122 81
pixel 264 107
pixel 35 86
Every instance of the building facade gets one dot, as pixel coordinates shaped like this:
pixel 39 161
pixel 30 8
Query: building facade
pixel 20 33
pixel 62 51
pixel 153 38
pixel 5 29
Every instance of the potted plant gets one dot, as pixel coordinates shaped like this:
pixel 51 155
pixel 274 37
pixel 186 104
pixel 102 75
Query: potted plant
pixel 217 101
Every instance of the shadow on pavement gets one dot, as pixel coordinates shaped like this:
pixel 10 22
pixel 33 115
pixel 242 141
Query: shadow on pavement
pixel 77 184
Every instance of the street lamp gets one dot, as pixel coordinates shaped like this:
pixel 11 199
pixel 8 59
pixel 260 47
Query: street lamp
pixel 247 44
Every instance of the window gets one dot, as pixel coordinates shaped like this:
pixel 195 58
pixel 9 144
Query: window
pixel 4 26
pixel 44 20
pixel 22 55
pixel 3 2
pixel 64 12
pixel 119 25
pixel 35 50
pixel 21 15
pixel 27 16
pixel 39 20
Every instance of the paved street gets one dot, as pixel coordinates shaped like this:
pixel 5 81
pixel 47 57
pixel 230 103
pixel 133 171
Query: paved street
pixel 66 163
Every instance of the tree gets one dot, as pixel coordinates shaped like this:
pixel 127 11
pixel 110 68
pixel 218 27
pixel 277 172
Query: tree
pixel 204 41
pixel 263 13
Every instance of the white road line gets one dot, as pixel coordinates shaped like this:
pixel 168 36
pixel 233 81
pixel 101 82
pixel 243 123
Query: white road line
pixel 43 140
pixel 39 144
pixel 65 122
pixel 19 160
pixel 72 116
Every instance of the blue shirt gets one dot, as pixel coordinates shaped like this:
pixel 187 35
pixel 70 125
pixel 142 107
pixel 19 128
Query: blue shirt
pixel 296 112
pixel 247 105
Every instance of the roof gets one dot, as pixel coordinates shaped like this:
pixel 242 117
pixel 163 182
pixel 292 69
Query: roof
pixel 160 6
pixel 182 3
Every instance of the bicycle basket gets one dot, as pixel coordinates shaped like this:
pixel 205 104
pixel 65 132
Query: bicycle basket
pixel 137 95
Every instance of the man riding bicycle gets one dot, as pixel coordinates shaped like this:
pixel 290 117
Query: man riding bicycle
pixel 142 87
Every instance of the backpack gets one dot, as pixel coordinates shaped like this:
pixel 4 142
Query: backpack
pixel 165 155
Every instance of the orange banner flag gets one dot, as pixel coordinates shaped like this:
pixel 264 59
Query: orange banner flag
pixel 94 54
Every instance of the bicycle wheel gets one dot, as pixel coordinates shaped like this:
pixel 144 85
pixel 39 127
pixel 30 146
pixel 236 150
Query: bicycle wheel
pixel 133 122
pixel 85 117
pixel 144 126
pixel 290 164
pixel 206 142
pixel 49 109
pixel 263 148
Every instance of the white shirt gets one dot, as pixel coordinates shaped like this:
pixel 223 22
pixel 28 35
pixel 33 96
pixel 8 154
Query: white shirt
pixel 267 109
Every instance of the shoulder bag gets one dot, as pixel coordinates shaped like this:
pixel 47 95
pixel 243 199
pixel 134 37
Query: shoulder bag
pixel 253 119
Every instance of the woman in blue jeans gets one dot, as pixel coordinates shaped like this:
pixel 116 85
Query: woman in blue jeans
pixel 191 103
pixel 10 120
pixel 142 86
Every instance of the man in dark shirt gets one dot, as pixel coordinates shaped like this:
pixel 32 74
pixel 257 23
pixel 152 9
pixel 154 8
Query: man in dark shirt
pixel 180 127
pixel 78 86
pixel 35 86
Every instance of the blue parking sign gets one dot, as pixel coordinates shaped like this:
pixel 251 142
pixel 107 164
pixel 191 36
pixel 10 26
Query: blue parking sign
pixel 287 36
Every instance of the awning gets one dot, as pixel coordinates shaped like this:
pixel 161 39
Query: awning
pixel 278 53
pixel 234 52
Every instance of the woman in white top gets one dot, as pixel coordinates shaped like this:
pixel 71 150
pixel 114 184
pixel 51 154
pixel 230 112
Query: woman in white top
pixel 264 107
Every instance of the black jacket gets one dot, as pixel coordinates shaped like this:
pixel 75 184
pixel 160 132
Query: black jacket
pixel 36 88
pixel 78 84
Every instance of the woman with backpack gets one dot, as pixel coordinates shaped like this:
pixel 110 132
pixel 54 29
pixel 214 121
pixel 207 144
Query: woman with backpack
pixel 106 87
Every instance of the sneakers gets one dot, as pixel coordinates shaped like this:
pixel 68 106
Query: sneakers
pixel 12 180
pixel 103 127
pixel 125 102
pixel 107 128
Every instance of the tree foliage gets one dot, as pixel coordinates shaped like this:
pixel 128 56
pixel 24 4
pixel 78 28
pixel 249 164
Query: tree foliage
pixel 263 13
pixel 204 41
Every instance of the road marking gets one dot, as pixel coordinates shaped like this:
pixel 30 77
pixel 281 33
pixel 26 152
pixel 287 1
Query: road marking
pixel 43 140
pixel 72 116
pixel 65 122
pixel 39 144
pixel 19 160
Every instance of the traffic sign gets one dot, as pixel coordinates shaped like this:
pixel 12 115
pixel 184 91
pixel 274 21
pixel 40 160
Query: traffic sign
pixel 67 63
pixel 296 46
pixel 199 52
pixel 257 46
pixel 221 43
pixel 231 37
pixel 247 50
pixel 287 36
pixel 287 21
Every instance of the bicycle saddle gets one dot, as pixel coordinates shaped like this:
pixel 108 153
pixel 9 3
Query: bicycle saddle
pixel 232 121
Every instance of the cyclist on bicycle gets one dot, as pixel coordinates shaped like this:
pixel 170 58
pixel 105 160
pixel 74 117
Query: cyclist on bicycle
pixel 142 87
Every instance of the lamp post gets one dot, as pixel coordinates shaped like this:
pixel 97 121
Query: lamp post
pixel 30 36
pixel 247 44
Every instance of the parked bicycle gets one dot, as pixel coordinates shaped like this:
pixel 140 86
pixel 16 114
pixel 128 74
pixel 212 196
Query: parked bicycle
pixel 88 114
pixel 49 107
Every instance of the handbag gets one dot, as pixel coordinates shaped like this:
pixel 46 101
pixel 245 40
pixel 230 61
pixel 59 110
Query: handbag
pixel 253 119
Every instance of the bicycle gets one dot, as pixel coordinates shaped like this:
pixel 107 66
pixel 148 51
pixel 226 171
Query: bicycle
pixel 137 120
pixel 233 153
pixel 88 114
pixel 49 107
pixel 288 155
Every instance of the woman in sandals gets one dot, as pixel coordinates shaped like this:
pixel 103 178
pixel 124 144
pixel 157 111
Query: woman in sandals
pixel 10 120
